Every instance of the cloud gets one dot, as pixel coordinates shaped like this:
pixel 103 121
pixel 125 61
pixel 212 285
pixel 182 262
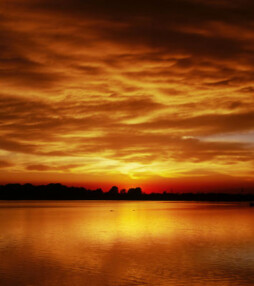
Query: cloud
pixel 5 164
pixel 42 167
pixel 204 124
pixel 38 167
pixel 131 86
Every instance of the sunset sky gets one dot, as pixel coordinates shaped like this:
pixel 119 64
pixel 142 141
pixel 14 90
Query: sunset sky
pixel 157 94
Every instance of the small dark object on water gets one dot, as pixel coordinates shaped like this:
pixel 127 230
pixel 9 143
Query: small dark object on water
pixel 252 204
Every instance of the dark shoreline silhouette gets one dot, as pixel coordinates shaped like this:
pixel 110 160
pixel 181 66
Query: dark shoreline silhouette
pixel 61 192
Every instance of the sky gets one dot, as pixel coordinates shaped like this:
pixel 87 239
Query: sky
pixel 157 94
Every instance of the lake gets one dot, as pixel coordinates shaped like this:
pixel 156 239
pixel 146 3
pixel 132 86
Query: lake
pixel 76 243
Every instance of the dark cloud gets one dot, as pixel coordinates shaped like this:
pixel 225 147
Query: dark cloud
pixel 38 167
pixel 43 167
pixel 5 164
pixel 16 146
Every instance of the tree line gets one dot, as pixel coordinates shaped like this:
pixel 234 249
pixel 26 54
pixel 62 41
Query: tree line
pixel 62 192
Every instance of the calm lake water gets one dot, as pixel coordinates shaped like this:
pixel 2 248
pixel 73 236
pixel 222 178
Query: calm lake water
pixel 126 243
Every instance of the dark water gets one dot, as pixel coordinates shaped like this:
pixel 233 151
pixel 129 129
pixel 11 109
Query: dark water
pixel 126 243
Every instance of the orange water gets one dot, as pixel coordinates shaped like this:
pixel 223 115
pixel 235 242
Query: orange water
pixel 126 243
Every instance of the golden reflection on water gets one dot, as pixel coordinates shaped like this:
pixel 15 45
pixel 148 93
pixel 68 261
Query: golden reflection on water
pixel 125 222
pixel 126 243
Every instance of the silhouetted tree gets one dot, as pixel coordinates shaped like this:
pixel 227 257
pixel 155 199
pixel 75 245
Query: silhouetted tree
pixel 135 193
pixel 123 192
pixel 113 193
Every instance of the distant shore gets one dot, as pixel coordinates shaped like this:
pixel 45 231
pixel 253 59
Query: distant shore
pixel 61 192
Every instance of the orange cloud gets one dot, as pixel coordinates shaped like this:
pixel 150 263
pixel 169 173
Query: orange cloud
pixel 126 92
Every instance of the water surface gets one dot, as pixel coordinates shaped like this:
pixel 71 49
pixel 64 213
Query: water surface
pixel 126 243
